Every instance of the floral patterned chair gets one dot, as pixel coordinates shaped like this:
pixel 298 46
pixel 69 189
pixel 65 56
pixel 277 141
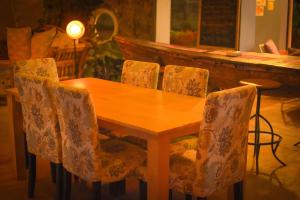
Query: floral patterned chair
pixel 40 125
pixel 218 157
pixel 84 154
pixel 185 80
pixel 43 67
pixel 189 81
pixel 140 74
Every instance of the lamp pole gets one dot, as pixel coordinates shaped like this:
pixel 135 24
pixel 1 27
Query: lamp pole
pixel 75 30
pixel 75 61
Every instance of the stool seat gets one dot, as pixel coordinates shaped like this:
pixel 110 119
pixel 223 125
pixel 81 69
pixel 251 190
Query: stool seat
pixel 261 83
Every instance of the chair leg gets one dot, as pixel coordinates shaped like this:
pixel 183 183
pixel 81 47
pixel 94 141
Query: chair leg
pixel 201 198
pixel 59 181
pixel 53 171
pixel 97 190
pixel 238 191
pixel 75 178
pixel 188 197
pixel 67 182
pixel 32 174
pixel 26 153
pixel 170 194
pixel 143 190
pixel 118 188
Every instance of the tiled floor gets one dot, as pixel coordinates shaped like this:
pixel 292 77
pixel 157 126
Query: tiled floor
pixel 274 182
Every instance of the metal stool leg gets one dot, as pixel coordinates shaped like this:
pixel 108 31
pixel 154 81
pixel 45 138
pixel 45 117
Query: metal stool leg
pixel 297 143
pixel 257 131
pixel 257 144
pixel 273 148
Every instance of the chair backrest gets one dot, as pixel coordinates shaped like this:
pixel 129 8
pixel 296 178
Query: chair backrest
pixel 44 67
pixel 79 130
pixel 40 118
pixel 223 137
pixel 185 80
pixel 141 74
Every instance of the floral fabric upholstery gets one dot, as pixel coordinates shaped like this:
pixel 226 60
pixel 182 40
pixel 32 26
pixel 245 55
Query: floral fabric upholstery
pixel 140 74
pixel 84 154
pixel 18 43
pixel 185 80
pixel 40 118
pixel 220 157
pixel 44 67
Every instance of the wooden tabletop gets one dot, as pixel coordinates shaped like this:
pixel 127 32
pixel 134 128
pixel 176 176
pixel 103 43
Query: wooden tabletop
pixel 151 111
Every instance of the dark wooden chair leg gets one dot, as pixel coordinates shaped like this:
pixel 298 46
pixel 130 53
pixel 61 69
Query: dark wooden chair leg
pixel 53 171
pixel 32 174
pixel 97 190
pixel 238 191
pixel 170 194
pixel 143 190
pixel 75 178
pixel 26 153
pixel 67 183
pixel 188 197
pixel 201 198
pixel 118 188
pixel 59 181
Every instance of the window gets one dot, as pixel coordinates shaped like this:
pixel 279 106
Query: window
pixel 203 23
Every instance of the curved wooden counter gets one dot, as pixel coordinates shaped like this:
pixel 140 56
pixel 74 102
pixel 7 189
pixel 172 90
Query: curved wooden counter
pixel 225 71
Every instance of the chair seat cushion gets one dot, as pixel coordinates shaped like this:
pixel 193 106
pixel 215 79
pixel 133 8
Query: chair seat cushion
pixel 182 150
pixel 118 159
pixel 183 144
pixel 136 141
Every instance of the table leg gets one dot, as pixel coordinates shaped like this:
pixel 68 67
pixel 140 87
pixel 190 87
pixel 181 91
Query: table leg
pixel 158 168
pixel 17 136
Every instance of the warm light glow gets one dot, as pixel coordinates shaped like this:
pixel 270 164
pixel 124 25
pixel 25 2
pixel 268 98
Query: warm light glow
pixel 271 5
pixel 75 29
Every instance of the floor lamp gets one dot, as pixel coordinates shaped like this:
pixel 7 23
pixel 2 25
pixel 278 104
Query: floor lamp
pixel 75 30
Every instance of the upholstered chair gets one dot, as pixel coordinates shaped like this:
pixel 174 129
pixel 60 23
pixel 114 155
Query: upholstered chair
pixel 185 80
pixel 218 157
pixel 84 154
pixel 189 81
pixel 41 126
pixel 140 74
pixel 43 67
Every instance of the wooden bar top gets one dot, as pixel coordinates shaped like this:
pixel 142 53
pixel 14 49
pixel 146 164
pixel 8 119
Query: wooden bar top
pixel 284 61
pixel 224 71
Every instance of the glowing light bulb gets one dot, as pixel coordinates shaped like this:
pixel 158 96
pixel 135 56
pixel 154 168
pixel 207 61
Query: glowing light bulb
pixel 75 29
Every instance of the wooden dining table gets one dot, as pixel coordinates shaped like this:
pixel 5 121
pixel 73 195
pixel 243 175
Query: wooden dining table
pixel 153 115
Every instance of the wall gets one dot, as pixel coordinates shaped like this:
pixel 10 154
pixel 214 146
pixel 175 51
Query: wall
pixel 247 26
pixel 19 13
pixel 273 25
pixel 136 18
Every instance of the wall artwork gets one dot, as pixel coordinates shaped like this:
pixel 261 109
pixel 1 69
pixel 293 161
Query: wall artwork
pixel 260 11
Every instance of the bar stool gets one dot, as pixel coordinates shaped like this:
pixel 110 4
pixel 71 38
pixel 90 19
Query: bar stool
pixel 262 85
